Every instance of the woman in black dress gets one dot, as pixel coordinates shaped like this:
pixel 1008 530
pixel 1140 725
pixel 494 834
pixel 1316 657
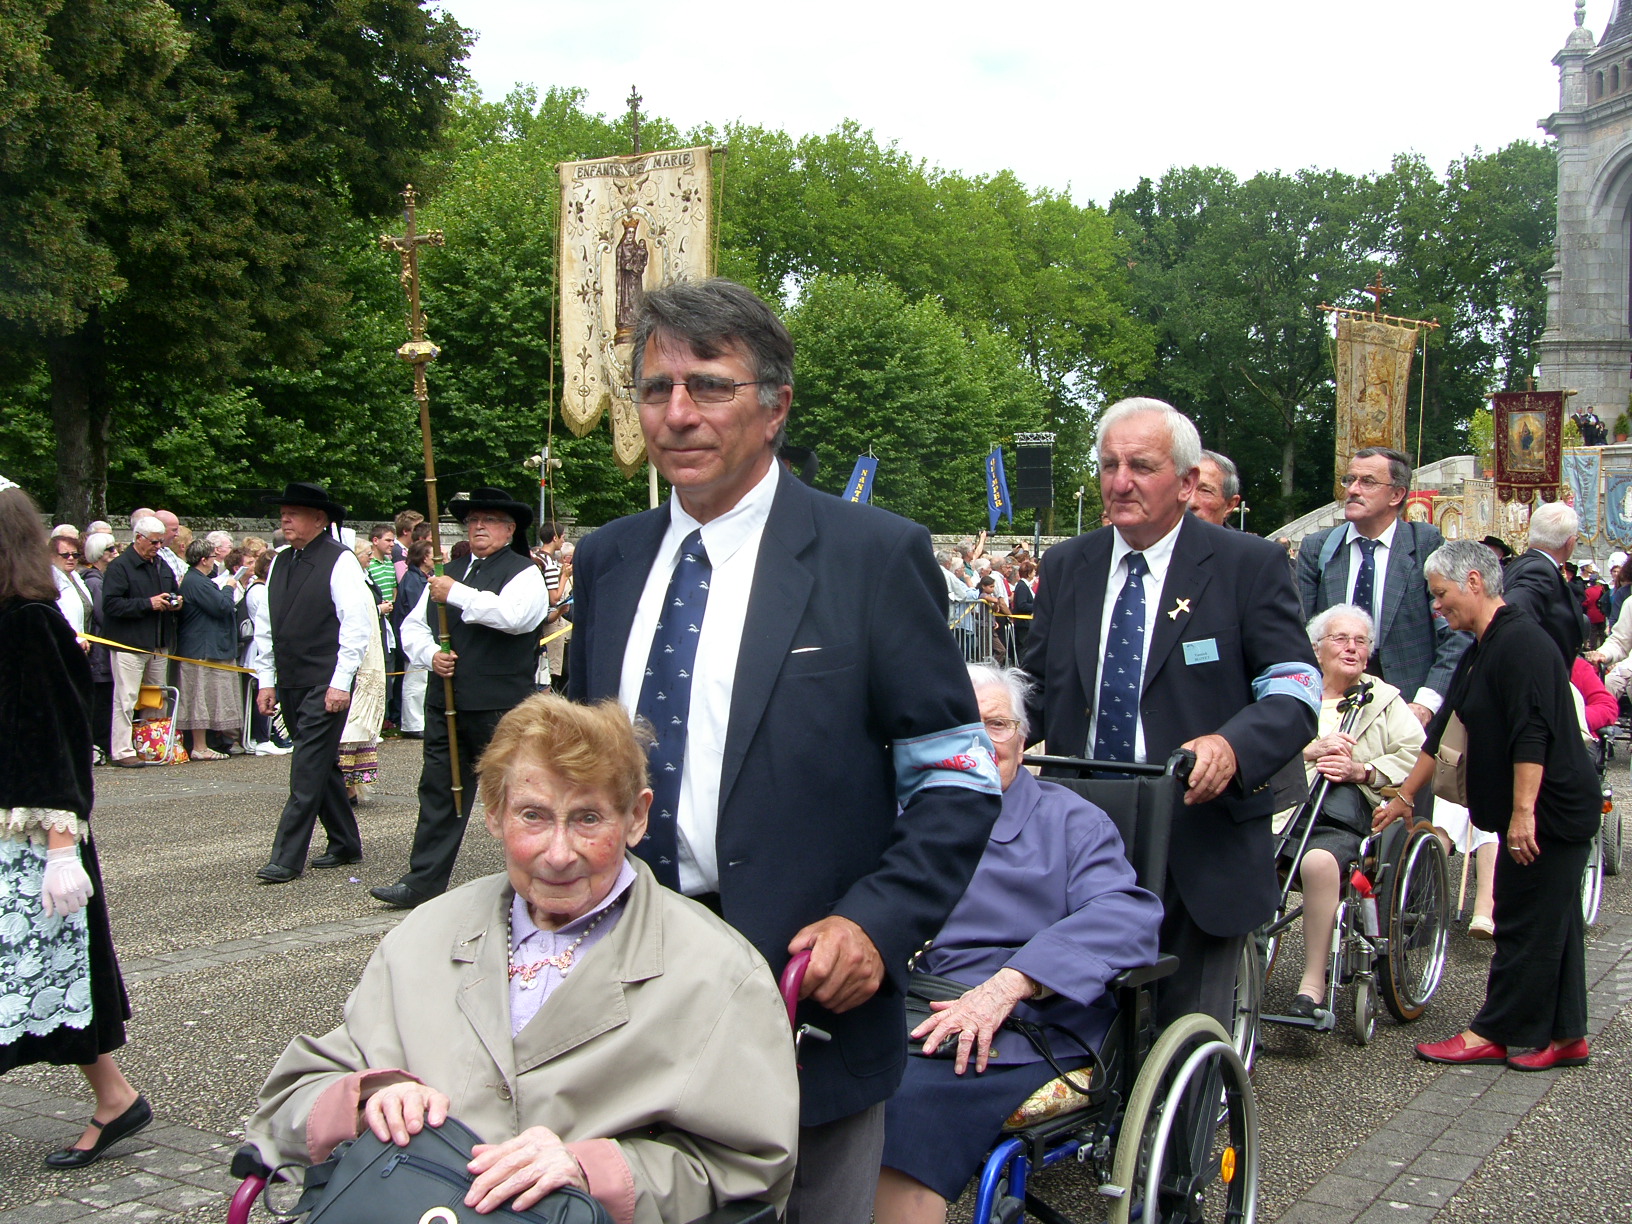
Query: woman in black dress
pixel 61 998
pixel 1529 781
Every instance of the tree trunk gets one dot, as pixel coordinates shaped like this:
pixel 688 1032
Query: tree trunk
pixel 1289 450
pixel 79 413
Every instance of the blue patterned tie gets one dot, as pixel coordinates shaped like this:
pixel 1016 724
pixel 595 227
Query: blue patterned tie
pixel 1366 580
pixel 1119 673
pixel 665 702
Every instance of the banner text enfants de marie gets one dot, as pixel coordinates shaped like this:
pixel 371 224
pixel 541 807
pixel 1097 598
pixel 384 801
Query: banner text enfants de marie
pixel 628 167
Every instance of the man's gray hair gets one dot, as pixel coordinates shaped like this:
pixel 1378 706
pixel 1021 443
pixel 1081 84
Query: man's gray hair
pixel 1454 560
pixel 947 556
pixel 97 543
pixel 1185 442
pixel 1016 685
pixel 1552 525
pixel 1226 466
pixel 1319 622
pixel 1399 464
pixel 148 524
pixel 714 317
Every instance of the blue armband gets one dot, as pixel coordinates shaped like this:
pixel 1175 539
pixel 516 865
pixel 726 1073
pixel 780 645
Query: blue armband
pixel 1289 680
pixel 962 757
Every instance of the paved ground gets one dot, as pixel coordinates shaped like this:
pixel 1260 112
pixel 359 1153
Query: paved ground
pixel 222 971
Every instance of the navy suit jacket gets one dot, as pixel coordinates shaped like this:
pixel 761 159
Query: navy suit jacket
pixel 845 653
pixel 1414 648
pixel 1242 616
pixel 1534 582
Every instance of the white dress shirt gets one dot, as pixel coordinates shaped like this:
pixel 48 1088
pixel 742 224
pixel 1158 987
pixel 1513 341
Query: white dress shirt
pixel 353 604
pixel 517 607
pixel 732 542
pixel 1157 558
pixel 1385 543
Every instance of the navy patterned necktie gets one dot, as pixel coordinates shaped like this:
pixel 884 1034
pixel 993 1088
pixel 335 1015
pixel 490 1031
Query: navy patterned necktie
pixel 665 702
pixel 1119 673
pixel 1365 582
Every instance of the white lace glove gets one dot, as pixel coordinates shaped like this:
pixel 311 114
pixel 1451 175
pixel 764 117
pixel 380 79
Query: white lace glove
pixel 66 888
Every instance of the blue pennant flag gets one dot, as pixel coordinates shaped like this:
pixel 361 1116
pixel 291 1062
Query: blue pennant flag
pixel 860 486
pixel 997 490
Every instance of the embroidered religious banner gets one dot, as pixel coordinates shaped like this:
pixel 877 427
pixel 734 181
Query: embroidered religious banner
pixel 1529 443
pixel 1479 509
pixel 1617 505
pixel 1581 472
pixel 1373 379
pixel 1448 512
pixel 628 225
pixel 1419 505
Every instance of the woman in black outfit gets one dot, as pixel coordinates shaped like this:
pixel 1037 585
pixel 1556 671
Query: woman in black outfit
pixel 1531 782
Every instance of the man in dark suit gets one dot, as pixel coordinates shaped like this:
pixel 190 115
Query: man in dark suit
pixel 1164 631
pixel 495 599
pixel 822 776
pixel 1535 581
pixel 1375 559
pixel 310 635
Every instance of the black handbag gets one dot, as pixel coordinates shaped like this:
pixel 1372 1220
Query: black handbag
pixel 370 1182
pixel 925 988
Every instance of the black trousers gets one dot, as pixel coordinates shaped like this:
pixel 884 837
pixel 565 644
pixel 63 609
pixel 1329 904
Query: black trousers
pixel 441 828
pixel 1205 978
pixel 1537 989
pixel 316 790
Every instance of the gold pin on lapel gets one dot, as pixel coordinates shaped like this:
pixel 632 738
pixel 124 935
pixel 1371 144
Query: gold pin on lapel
pixel 1179 605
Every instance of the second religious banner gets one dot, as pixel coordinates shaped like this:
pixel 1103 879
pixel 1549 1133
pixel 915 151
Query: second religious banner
pixel 1529 436
pixel 628 225
pixel 1373 378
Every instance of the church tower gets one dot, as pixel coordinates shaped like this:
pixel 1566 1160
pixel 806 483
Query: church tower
pixel 1587 344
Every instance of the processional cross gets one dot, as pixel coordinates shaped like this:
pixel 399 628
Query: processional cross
pixel 1377 290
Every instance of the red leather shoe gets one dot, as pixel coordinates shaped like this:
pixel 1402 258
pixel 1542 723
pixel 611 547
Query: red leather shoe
pixel 1546 1058
pixel 1453 1050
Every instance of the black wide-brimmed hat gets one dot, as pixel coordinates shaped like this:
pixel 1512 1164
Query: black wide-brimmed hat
pixel 300 493
pixel 487 498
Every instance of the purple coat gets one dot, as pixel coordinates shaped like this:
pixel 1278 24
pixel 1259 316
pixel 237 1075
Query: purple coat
pixel 1055 898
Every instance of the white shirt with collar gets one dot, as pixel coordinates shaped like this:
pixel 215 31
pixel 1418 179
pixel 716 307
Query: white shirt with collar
pixel 1385 543
pixel 732 542
pixel 519 606
pixel 1157 558
pixel 353 604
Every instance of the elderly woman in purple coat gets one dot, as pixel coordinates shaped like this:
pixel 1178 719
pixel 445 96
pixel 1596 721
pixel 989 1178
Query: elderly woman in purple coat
pixel 1052 914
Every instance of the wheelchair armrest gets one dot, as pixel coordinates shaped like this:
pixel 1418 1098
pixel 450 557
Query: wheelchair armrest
pixel 1143 974
pixel 744 1211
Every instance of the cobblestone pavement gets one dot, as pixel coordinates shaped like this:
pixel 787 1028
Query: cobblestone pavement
pixel 222 971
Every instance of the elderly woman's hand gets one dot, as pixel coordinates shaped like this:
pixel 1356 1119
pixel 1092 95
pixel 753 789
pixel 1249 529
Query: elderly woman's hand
pixel 398 1111
pixel 1328 745
pixel 526 1168
pixel 975 1017
pixel 1341 767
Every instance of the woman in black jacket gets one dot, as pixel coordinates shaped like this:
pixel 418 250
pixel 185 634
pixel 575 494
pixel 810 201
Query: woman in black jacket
pixel 210 699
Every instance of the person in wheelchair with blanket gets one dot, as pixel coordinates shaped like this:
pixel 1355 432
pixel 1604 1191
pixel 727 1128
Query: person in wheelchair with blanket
pixel 1052 914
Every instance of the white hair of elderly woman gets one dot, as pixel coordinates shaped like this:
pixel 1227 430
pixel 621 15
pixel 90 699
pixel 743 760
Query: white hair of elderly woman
pixel 1015 684
pixel 1454 560
pixel 1320 620
pixel 96 545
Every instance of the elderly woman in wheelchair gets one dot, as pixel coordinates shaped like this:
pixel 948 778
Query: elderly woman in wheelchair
pixel 1377 749
pixel 599 1031
pixel 1052 914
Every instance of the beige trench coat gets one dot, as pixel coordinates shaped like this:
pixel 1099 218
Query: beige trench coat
pixel 669 1038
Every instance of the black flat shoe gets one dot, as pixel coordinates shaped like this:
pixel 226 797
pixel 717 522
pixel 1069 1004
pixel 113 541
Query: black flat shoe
pixel 397 896
pixel 122 1127
pixel 1304 1007
pixel 335 858
pixel 276 873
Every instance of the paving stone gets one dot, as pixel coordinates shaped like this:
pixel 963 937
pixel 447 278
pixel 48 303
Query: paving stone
pixel 1375 1167
pixel 1304 1213
pixel 1425 1191
pixel 1451 1166
pixel 1394 1211
pixel 1353 1193
pixel 1466 1143
pixel 1419 1121
pixel 124 1189
pixel 1401 1145
pixel 186 1139
pixel 183 1198
pixel 45 1211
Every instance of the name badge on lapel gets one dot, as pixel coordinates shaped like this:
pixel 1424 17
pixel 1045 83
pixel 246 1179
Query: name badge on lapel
pixel 1205 651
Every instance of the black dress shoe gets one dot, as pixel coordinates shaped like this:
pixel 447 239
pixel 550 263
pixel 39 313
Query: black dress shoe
pixel 419 735
pixel 130 762
pixel 277 873
pixel 397 896
pixel 1304 1007
pixel 335 858
pixel 122 1127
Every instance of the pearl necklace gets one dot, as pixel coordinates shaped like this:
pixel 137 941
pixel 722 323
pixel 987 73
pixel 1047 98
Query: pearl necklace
pixel 561 962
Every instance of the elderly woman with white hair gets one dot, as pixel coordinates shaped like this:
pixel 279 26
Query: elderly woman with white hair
pixel 1530 781
pixel 1052 914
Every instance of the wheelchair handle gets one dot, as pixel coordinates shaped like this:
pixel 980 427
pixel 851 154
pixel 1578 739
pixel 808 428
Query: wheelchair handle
pixel 244 1199
pixel 793 981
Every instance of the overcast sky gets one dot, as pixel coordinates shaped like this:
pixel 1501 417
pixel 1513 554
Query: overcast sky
pixel 1086 97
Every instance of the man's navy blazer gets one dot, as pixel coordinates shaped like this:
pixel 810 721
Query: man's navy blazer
pixel 845 652
pixel 1227 613
pixel 1534 582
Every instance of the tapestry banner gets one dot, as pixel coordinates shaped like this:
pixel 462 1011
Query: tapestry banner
pixel 1581 471
pixel 628 225
pixel 1618 505
pixel 1479 510
pixel 1373 379
pixel 1529 443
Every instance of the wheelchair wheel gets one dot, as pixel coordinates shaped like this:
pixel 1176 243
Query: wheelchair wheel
pixel 1249 998
pixel 1592 880
pixel 1177 1157
pixel 1419 923
pixel 1611 835
pixel 1365 1010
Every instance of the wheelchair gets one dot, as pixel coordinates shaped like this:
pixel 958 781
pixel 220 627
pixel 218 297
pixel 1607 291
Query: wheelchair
pixel 1170 1131
pixel 1393 920
pixel 1604 857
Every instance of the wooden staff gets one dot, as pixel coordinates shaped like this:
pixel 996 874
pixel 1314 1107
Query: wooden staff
pixel 419 353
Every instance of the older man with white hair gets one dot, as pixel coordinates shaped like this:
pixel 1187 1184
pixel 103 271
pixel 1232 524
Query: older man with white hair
pixel 1535 583
pixel 139 603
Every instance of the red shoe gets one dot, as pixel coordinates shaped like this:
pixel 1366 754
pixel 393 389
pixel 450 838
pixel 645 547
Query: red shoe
pixel 1546 1058
pixel 1454 1050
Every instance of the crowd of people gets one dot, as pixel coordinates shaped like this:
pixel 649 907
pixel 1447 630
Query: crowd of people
pixel 761 753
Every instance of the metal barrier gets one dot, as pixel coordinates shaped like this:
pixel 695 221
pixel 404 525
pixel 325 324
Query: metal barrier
pixel 971 625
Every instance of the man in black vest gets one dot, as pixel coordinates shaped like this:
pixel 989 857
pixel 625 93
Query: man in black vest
pixel 496 600
pixel 310 636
